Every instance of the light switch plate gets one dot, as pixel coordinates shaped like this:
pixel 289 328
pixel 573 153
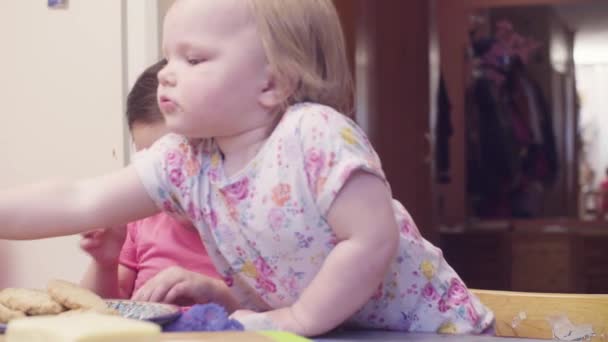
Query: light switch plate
pixel 57 3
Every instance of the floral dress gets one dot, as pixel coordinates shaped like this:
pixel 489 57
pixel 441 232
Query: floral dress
pixel 266 231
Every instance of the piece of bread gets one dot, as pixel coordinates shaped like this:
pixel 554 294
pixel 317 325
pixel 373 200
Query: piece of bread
pixel 30 302
pixel 7 314
pixel 81 327
pixel 74 297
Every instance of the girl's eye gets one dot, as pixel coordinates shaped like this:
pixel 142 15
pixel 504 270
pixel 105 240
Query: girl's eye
pixel 195 61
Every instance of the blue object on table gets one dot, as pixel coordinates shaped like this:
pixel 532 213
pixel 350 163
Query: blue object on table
pixel 204 317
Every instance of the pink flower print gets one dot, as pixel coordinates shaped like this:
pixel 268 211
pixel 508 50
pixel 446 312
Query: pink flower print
pixel 228 280
pixel 168 206
pixel 184 147
pixel 443 306
pixel 289 283
pixel 266 285
pixel 175 159
pixel 457 293
pixel 378 294
pixel 325 116
pixel 176 177
pixel 210 218
pixel 332 160
pixel 408 228
pixel 472 313
pixel 192 167
pixel 193 211
pixel 281 194
pixel 333 241
pixel 262 267
pixel 238 191
pixel 276 218
pixel 428 292
pixel 213 174
pixel 314 162
pixel 405 227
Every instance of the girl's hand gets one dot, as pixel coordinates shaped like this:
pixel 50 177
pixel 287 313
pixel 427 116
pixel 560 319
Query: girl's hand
pixel 104 245
pixel 179 286
pixel 255 321
pixel 280 319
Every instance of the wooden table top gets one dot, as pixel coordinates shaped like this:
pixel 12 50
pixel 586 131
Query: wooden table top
pixel 354 336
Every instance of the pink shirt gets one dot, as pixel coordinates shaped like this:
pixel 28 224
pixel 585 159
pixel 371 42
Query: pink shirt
pixel 158 242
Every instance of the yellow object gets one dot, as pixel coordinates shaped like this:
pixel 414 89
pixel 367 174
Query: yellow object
pixel 281 336
pixel 548 315
pixel 85 327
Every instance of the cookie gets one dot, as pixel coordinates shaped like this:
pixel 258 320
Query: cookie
pixel 7 314
pixel 30 302
pixel 73 296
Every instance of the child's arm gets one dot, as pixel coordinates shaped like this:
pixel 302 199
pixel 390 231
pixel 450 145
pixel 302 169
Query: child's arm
pixel 362 217
pixel 109 281
pixel 105 275
pixel 64 208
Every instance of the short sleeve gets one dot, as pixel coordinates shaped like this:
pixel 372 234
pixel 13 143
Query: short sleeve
pixel 128 253
pixel 334 148
pixel 168 170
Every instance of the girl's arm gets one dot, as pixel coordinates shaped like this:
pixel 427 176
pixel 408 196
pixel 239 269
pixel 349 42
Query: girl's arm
pixel 109 281
pixel 64 208
pixel 363 219
pixel 126 281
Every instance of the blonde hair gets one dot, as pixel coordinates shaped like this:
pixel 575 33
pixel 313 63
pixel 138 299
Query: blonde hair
pixel 305 45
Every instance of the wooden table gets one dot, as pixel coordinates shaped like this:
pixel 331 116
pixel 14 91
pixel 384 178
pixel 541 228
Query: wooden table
pixel 355 336
pixel 358 336
pixel 383 336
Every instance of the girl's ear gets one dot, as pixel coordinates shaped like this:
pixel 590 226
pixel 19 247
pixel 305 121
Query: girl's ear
pixel 276 91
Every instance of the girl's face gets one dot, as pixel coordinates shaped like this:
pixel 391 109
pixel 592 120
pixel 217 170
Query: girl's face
pixel 217 73
pixel 144 134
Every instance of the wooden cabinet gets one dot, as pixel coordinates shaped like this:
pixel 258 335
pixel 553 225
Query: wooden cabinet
pixel 480 258
pixel 565 261
pixel 542 262
pixel 594 251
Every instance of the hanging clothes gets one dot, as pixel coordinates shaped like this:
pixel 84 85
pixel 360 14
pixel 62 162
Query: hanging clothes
pixel 443 133
pixel 511 151
pixel 493 162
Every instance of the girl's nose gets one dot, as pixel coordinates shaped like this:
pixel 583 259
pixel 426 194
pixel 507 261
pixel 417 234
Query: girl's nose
pixel 166 77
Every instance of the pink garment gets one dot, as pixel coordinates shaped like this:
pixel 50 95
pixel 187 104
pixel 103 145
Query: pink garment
pixel 158 242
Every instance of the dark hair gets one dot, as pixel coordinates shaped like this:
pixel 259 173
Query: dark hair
pixel 142 106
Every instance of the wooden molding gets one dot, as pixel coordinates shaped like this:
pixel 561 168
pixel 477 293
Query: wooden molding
pixel 502 3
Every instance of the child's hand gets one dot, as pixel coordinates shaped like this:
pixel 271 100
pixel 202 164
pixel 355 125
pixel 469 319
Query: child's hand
pixel 179 286
pixel 280 319
pixel 104 245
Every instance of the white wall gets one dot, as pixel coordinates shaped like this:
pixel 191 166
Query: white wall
pixel 61 96
pixel 592 85
pixel 591 58
pixel 143 36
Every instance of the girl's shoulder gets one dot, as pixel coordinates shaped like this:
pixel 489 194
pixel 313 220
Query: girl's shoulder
pixel 303 119
pixel 174 145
